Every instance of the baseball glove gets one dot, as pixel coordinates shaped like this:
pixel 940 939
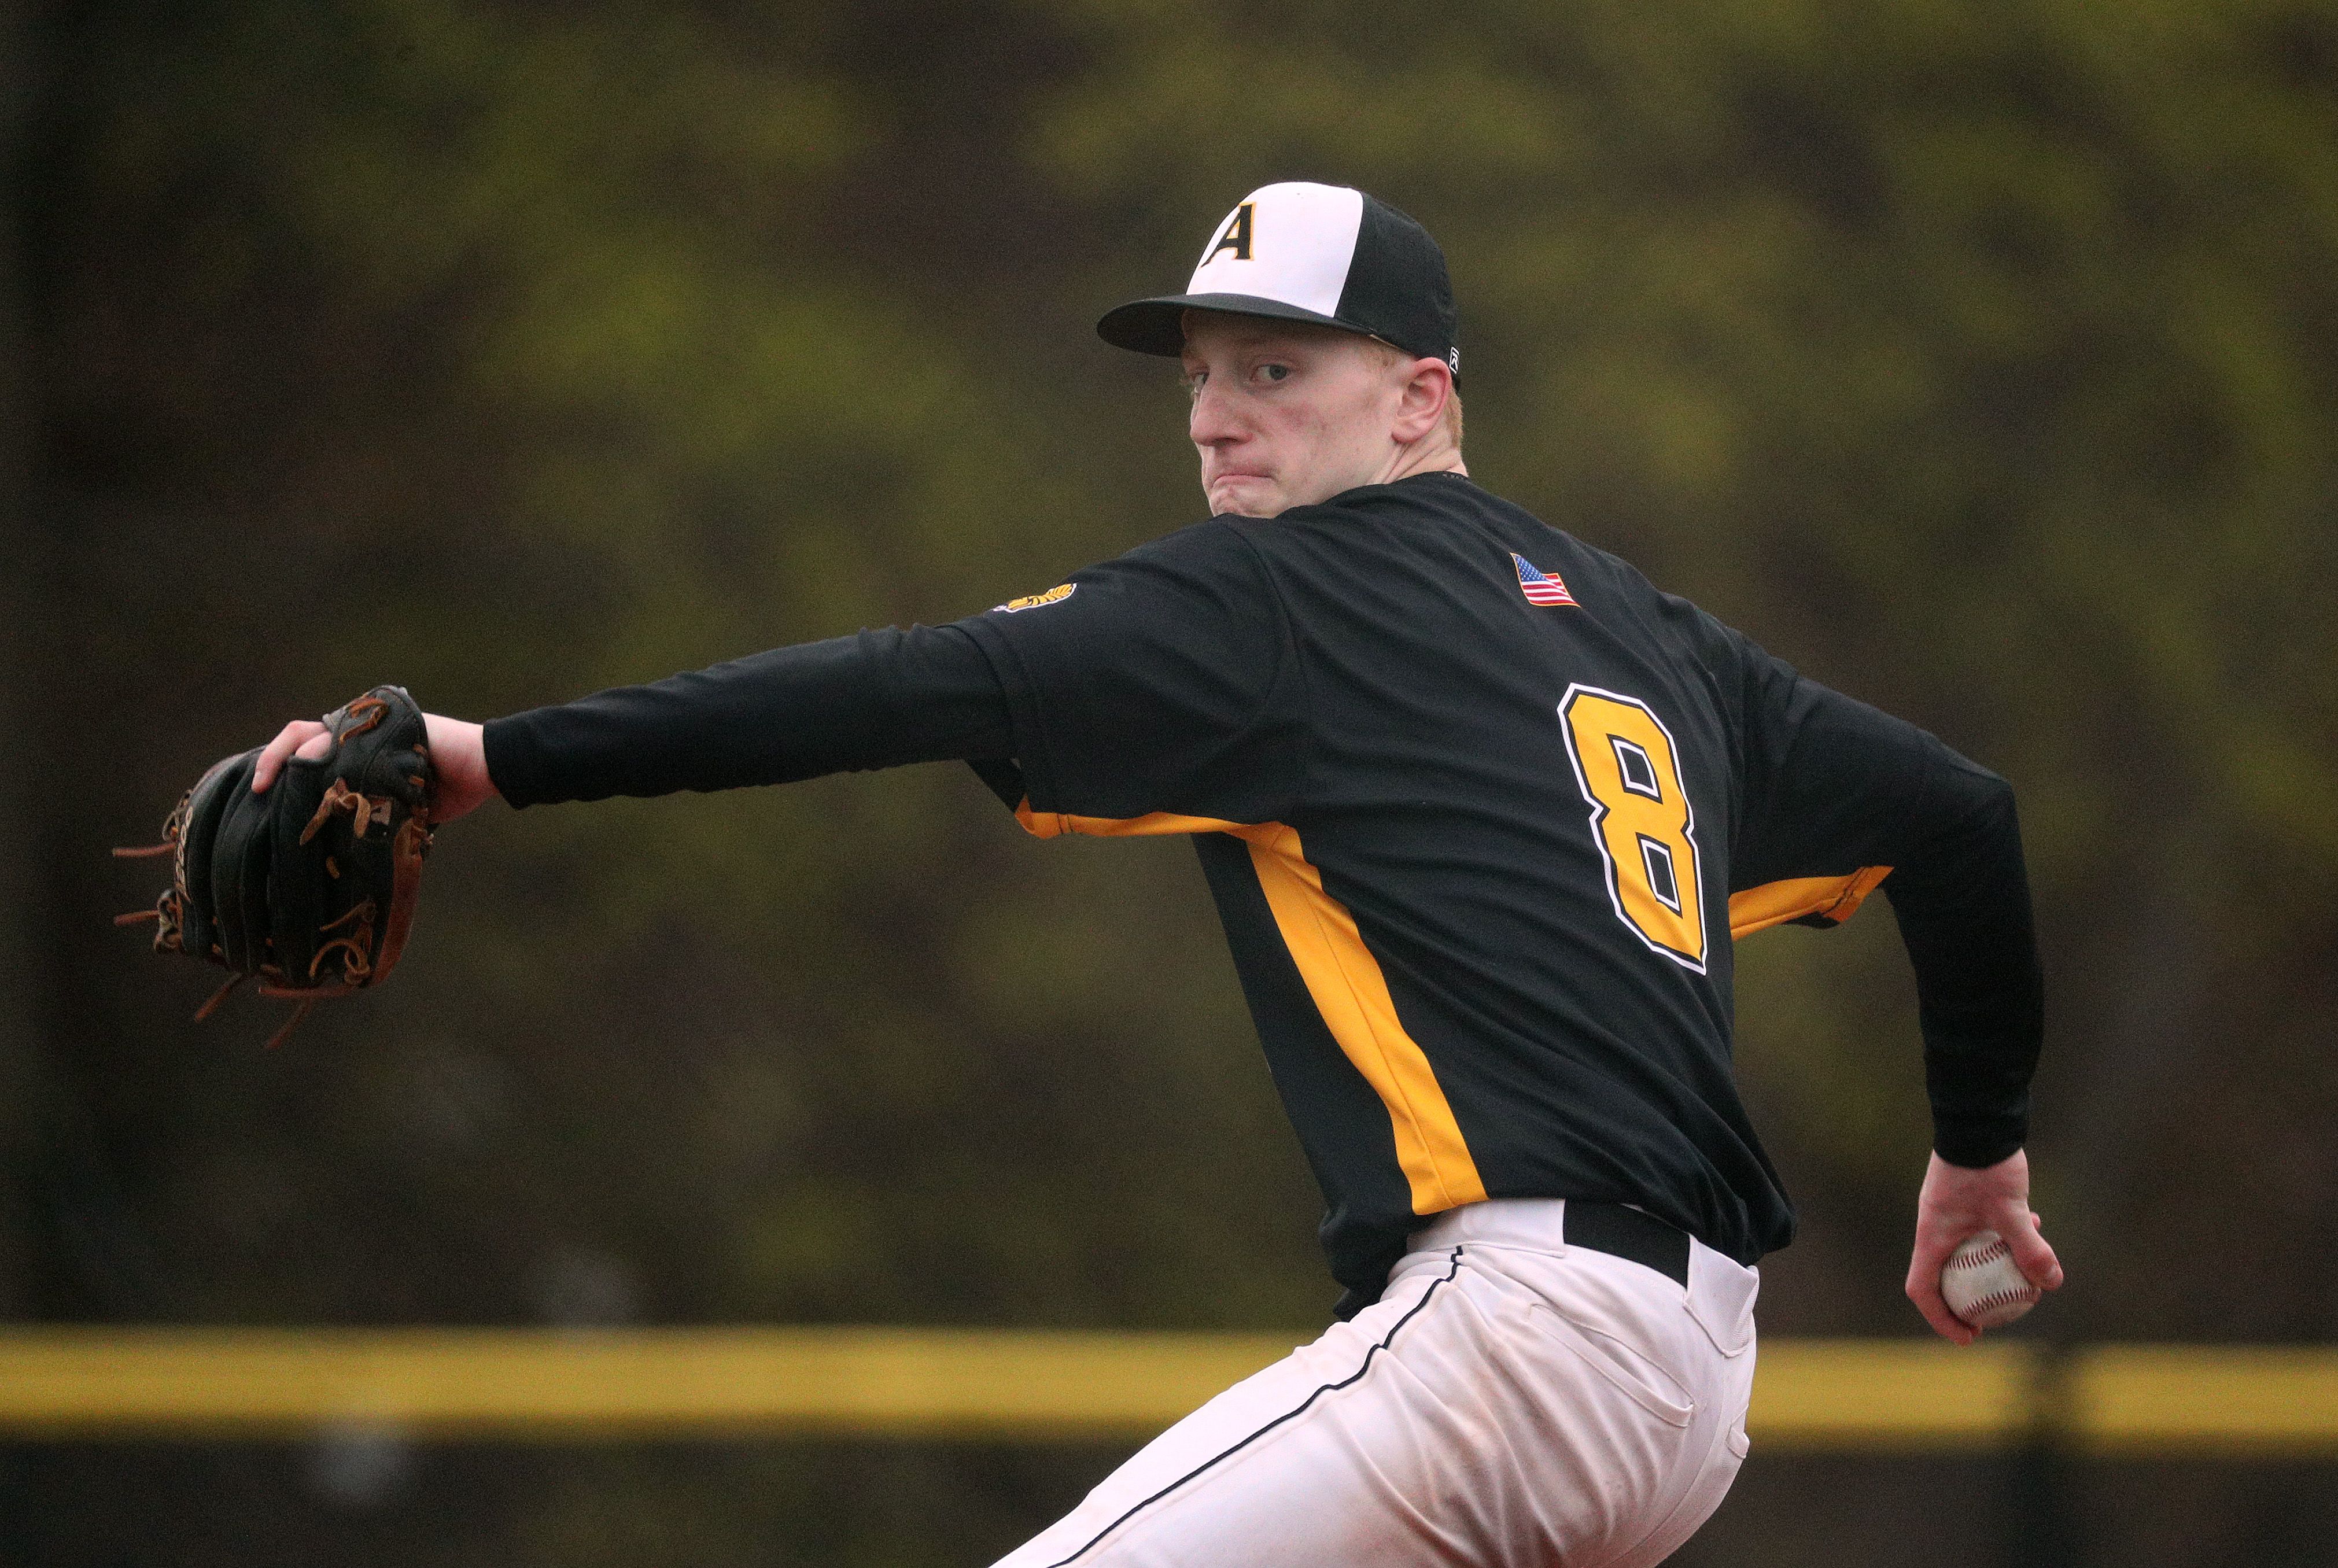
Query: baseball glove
pixel 309 887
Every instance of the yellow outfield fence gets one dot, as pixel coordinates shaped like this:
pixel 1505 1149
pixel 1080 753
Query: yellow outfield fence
pixel 1005 1385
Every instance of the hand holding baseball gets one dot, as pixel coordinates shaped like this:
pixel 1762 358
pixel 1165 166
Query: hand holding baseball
pixel 1958 1204
pixel 1982 1287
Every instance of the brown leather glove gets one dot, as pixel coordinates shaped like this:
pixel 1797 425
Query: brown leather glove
pixel 312 886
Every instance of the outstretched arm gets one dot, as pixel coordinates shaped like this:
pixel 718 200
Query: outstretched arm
pixel 877 699
pixel 1164 679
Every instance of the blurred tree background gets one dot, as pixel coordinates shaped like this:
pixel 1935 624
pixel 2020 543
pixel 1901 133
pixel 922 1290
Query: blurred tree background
pixel 1981 358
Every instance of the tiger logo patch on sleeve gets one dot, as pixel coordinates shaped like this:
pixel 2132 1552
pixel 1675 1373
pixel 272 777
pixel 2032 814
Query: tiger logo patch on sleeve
pixel 1055 595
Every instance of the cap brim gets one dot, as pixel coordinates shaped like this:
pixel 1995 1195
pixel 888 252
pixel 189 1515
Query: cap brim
pixel 1157 326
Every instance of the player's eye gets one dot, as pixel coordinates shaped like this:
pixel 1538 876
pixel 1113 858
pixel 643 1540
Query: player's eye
pixel 1271 373
pixel 1194 379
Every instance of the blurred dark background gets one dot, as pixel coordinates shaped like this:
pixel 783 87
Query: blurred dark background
pixel 1981 358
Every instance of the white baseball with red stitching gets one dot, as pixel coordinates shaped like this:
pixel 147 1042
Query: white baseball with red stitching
pixel 1981 1285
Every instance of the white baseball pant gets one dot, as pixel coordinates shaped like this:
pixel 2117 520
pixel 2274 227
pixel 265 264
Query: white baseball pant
pixel 1511 1401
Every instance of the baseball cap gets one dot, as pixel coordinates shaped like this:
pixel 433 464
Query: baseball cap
pixel 1299 251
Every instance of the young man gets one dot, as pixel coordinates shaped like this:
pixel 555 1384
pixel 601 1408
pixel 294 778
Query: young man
pixel 1482 811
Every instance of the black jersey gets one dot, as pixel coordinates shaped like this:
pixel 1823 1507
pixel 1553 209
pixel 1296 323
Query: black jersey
pixel 1482 811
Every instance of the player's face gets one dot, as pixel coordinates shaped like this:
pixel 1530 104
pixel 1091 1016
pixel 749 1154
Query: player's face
pixel 1285 413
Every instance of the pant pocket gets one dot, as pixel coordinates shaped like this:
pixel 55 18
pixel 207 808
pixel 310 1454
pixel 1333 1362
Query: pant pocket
pixel 1633 1372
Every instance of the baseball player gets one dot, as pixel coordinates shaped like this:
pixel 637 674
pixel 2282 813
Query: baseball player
pixel 1482 811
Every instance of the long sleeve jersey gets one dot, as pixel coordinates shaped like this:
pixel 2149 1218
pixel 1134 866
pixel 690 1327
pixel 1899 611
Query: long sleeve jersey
pixel 1482 809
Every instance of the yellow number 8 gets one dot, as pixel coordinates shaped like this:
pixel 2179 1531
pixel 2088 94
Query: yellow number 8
pixel 1629 772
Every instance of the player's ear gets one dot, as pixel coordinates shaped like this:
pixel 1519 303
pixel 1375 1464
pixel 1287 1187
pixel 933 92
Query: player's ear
pixel 1427 385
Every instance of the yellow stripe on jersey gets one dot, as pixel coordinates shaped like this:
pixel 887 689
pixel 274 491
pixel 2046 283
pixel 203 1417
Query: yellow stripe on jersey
pixel 1352 994
pixel 1774 902
pixel 1349 990
pixel 1049 823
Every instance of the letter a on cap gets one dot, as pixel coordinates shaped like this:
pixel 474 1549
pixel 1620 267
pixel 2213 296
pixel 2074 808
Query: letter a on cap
pixel 1236 237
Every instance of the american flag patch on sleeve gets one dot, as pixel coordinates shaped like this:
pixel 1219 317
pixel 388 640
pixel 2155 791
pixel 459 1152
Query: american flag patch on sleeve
pixel 1539 588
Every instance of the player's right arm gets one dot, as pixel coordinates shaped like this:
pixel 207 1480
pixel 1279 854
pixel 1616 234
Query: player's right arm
pixel 1834 788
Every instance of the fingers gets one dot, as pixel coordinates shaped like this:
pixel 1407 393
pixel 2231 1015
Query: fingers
pixel 303 736
pixel 2031 1255
pixel 1924 1288
pixel 1945 1323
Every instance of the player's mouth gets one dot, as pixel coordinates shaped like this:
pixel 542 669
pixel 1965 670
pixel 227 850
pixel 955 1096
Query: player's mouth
pixel 1238 477
pixel 1250 493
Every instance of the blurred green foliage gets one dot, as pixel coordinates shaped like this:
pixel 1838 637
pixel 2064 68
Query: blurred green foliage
pixel 1981 358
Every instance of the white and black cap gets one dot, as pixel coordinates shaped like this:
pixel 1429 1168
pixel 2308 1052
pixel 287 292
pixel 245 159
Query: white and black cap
pixel 1304 252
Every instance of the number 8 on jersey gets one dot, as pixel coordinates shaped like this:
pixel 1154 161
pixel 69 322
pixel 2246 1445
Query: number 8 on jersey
pixel 1629 772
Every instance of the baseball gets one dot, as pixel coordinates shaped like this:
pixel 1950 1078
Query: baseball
pixel 1981 1285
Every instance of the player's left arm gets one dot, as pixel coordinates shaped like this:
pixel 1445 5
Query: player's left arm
pixel 877 700
pixel 1835 787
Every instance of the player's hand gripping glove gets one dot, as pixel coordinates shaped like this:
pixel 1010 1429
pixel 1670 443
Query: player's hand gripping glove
pixel 309 887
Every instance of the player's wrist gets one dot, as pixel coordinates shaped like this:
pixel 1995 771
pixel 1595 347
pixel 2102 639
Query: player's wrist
pixel 1977 1142
pixel 459 759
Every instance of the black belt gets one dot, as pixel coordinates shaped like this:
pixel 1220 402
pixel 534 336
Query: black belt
pixel 1627 1233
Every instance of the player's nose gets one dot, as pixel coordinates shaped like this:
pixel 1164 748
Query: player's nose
pixel 1215 420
